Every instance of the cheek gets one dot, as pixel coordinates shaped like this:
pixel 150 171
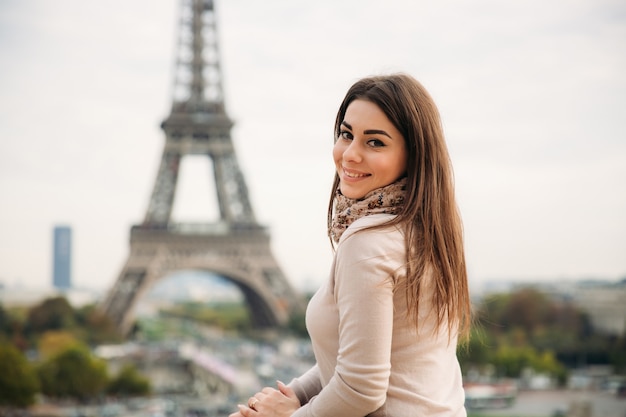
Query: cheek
pixel 395 168
pixel 402 166
pixel 401 162
pixel 338 152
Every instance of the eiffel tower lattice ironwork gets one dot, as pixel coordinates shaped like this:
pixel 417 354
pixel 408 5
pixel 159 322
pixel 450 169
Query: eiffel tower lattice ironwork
pixel 235 247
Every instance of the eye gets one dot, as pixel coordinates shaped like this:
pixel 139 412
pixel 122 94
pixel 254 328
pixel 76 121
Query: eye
pixel 344 134
pixel 376 143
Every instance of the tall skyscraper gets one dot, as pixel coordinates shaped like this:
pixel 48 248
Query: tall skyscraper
pixel 62 271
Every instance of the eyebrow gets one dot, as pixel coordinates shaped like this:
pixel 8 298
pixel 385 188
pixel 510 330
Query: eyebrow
pixel 370 131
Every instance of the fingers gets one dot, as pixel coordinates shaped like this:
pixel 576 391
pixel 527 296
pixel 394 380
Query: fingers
pixel 253 401
pixel 286 390
pixel 269 399
pixel 244 411
pixel 267 391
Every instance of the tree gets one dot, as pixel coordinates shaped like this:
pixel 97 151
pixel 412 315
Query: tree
pixel 97 326
pixel 18 380
pixel 297 324
pixel 52 314
pixel 477 352
pixel 12 329
pixel 559 332
pixel 52 343
pixel 5 325
pixel 73 373
pixel 129 382
pixel 617 354
pixel 490 313
pixel 511 361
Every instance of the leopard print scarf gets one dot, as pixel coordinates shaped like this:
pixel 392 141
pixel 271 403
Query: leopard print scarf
pixel 388 199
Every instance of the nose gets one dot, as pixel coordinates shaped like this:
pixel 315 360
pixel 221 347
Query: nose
pixel 352 152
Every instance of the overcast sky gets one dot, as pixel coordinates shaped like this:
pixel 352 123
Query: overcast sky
pixel 532 95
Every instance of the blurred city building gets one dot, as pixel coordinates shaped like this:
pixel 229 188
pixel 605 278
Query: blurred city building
pixel 603 300
pixel 62 258
pixel 605 303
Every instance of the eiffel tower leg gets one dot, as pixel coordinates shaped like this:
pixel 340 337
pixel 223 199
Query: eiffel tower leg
pixel 269 296
pixel 260 314
pixel 123 296
pixel 161 201
pixel 231 190
pixel 136 277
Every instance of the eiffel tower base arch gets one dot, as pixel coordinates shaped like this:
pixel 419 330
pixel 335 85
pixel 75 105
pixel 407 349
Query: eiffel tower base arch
pixel 242 256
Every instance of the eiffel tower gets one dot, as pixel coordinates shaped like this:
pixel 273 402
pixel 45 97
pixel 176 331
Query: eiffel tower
pixel 235 247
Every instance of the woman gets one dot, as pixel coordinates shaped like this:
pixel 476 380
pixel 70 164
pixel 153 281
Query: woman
pixel 384 327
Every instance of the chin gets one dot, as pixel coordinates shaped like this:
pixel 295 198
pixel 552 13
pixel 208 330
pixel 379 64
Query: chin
pixel 351 193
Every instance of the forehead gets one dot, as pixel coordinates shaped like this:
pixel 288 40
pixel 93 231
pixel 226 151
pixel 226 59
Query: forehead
pixel 360 109
pixel 364 114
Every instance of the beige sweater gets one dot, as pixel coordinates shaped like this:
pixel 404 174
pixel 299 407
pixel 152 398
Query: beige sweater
pixel 370 360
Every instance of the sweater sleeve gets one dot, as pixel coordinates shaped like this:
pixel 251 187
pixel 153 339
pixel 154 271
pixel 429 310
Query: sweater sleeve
pixel 365 267
pixel 307 386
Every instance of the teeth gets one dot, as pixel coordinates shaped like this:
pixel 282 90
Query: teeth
pixel 352 175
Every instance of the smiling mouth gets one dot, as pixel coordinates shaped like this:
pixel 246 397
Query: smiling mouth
pixel 354 174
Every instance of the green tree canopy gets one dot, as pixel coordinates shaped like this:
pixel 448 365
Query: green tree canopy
pixel 18 380
pixel 97 326
pixel 54 342
pixel 129 382
pixel 531 329
pixel 52 314
pixel 4 320
pixel 73 373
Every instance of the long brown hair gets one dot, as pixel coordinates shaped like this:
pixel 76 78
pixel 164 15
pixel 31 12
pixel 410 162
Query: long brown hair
pixel 434 232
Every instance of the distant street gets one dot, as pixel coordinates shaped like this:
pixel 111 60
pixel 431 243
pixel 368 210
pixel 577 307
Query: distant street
pixel 205 372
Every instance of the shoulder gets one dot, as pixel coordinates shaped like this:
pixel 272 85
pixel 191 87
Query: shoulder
pixel 372 226
pixel 369 237
pixel 367 258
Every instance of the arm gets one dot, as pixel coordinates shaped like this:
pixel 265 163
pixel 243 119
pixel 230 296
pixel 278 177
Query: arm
pixel 365 265
pixel 307 386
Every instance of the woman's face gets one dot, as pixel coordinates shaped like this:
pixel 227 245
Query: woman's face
pixel 370 152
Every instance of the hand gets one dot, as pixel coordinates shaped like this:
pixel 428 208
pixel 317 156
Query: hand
pixel 271 403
